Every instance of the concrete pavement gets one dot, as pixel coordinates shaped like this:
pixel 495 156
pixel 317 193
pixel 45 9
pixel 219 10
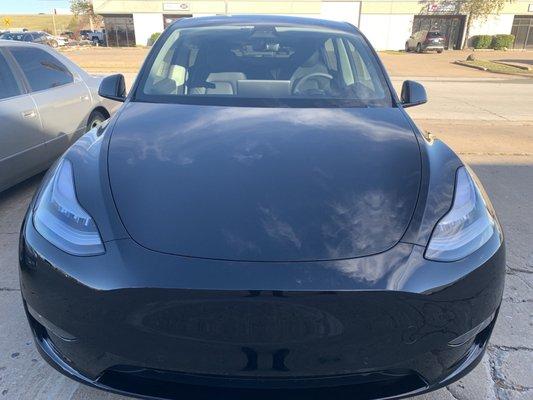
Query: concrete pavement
pixel 486 121
pixel 504 98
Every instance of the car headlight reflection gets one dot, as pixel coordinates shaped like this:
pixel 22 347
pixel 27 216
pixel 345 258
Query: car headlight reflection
pixel 466 227
pixel 60 219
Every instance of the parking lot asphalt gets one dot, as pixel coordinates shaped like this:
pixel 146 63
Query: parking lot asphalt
pixel 488 121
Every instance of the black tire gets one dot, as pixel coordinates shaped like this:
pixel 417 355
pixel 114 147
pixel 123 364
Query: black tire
pixel 96 41
pixel 95 119
pixel 419 48
pixel 439 51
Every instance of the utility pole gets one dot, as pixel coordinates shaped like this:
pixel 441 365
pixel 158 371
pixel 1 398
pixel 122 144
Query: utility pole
pixel 54 11
pixel 54 21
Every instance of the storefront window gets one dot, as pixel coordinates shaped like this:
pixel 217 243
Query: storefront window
pixel 451 26
pixel 523 32
pixel 120 30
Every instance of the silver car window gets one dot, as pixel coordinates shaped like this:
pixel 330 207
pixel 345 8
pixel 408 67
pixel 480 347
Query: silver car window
pixel 8 84
pixel 42 70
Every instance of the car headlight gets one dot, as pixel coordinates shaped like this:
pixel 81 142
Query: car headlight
pixel 60 219
pixel 466 227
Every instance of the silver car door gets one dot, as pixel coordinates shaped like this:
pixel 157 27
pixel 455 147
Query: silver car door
pixel 62 98
pixel 21 139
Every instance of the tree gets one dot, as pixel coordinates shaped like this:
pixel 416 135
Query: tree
pixel 478 10
pixel 84 8
pixel 475 10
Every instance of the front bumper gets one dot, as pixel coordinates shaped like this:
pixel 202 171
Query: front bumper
pixel 154 325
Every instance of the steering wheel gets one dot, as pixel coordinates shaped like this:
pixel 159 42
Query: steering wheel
pixel 296 89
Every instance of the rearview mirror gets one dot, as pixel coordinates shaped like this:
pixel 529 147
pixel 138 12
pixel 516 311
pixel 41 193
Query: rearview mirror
pixel 413 94
pixel 113 87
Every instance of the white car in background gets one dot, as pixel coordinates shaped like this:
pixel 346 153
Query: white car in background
pixel 59 40
pixel 46 103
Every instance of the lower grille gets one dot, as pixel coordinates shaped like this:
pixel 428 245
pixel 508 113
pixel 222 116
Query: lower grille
pixel 173 385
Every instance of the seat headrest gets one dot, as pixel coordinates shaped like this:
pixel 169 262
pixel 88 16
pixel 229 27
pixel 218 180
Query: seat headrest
pixel 225 76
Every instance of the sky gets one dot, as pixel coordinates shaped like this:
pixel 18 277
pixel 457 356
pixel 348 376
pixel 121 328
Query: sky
pixel 32 6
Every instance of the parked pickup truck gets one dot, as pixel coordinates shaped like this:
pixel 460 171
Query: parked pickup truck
pixel 97 37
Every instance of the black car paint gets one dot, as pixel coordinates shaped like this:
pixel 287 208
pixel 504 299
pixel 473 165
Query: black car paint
pixel 110 320
pixel 113 87
pixel 334 320
pixel 257 184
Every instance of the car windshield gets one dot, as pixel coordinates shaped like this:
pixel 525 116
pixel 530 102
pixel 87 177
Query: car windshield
pixel 264 65
pixel 434 35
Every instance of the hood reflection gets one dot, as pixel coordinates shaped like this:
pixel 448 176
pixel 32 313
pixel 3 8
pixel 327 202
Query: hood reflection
pixel 264 184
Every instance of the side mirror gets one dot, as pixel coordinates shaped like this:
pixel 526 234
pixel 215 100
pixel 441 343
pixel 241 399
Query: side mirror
pixel 113 87
pixel 413 94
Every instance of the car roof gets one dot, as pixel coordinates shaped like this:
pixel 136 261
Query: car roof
pixel 7 43
pixel 264 19
pixel 21 32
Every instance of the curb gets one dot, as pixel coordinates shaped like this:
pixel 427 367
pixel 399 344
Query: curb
pixel 511 64
pixel 464 64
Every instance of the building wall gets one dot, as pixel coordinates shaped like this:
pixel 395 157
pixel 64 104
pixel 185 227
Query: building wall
pixel 421 6
pixel 145 25
pixel 278 6
pixel 387 31
pixel 347 11
pixel 387 23
pixel 495 24
pixel 210 7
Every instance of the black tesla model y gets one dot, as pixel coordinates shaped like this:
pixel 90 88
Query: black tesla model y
pixel 261 219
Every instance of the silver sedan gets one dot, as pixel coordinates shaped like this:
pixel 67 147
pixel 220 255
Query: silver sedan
pixel 46 103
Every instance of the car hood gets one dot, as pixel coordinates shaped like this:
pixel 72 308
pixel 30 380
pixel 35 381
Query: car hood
pixel 264 184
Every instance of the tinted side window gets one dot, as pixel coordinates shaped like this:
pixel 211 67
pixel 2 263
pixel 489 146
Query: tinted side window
pixel 42 70
pixel 8 85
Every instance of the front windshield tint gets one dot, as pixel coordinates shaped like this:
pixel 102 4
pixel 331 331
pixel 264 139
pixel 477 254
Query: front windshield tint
pixel 265 65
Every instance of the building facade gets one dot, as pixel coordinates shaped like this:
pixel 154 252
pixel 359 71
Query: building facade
pixel 386 23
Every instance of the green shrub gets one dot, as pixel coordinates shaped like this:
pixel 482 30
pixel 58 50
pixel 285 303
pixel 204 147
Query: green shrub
pixel 481 41
pixel 153 37
pixel 502 42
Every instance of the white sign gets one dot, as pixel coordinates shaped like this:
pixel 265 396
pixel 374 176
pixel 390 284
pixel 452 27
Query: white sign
pixel 442 7
pixel 530 9
pixel 175 6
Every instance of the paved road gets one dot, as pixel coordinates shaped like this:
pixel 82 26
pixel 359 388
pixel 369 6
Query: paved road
pixel 487 121
pixel 476 99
